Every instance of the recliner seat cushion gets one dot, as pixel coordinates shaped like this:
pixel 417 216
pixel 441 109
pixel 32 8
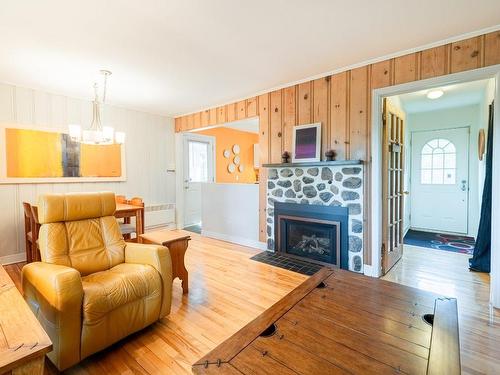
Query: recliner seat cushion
pixel 117 302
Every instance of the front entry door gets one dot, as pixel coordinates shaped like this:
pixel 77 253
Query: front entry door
pixel 198 169
pixel 440 180
pixel 392 185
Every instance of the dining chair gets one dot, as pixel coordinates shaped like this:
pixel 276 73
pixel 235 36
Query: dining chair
pixel 35 229
pixel 28 232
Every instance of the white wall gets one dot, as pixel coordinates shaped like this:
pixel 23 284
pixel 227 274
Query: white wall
pixel 230 212
pixel 150 151
pixel 473 117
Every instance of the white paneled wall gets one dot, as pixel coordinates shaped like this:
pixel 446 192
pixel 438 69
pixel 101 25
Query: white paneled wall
pixel 149 150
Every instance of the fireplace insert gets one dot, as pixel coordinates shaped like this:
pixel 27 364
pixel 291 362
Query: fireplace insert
pixel 312 232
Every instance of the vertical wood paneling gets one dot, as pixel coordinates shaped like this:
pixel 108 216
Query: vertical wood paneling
pixel 338 114
pixel 263 103
pixel 178 125
pixel 205 116
pixel 190 122
pixel 275 127
pixel 321 101
pixel 221 115
pixel 252 107
pixel 358 113
pixel 231 112
pixel 289 116
pixel 405 68
pixel 304 103
pixel 381 74
pixel 465 55
pixel 492 48
pixel 433 62
pixel 212 117
pixel 241 110
pixel 197 120
pixel 264 128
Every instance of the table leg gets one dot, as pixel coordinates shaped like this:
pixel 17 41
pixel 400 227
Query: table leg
pixel 139 229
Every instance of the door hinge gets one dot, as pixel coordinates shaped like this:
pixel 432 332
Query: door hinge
pixel 384 118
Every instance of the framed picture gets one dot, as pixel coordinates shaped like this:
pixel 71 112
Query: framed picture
pixel 306 143
pixel 34 154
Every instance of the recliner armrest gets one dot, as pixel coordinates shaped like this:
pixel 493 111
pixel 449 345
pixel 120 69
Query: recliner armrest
pixel 55 294
pixel 159 258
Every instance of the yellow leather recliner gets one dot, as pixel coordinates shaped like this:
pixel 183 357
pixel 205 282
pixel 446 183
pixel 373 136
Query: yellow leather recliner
pixel 92 288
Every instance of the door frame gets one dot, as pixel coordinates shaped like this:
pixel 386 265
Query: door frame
pixel 468 174
pixel 376 166
pixel 180 171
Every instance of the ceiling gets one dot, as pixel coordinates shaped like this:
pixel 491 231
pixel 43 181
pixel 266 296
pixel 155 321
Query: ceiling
pixel 175 57
pixel 456 95
pixel 250 125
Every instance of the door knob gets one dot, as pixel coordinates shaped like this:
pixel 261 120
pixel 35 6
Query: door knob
pixel 406 192
pixel 464 185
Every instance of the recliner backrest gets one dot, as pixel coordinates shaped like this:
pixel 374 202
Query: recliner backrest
pixel 79 231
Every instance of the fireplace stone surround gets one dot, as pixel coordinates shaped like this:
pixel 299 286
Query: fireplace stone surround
pixel 337 183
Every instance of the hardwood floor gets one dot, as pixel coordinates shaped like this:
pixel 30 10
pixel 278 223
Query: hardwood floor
pixel 227 290
pixel 446 273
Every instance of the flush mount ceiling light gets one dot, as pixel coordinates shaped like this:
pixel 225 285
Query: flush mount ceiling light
pixel 97 134
pixel 434 94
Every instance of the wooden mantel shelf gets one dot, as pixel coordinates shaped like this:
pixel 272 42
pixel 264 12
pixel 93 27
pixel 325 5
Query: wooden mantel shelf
pixel 314 164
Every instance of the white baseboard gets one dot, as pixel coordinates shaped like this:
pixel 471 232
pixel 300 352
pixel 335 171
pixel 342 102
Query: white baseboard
pixel 13 258
pixel 235 239
pixel 370 271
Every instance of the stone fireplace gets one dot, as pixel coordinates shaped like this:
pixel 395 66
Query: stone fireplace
pixel 336 184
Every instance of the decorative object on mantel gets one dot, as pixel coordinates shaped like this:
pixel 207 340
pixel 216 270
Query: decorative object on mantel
pixel 226 154
pixel 306 143
pixel 330 155
pixel 236 149
pixel 96 134
pixel 285 157
pixel 481 140
pixel 231 168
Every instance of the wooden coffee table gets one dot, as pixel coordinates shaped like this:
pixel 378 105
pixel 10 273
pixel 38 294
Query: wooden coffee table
pixel 177 243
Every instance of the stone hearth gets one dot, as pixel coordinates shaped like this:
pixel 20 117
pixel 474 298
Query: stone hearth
pixel 329 185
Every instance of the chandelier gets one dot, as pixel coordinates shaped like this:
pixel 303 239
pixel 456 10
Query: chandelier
pixel 97 134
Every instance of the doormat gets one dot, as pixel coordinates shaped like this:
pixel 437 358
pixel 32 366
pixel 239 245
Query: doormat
pixel 440 241
pixel 291 264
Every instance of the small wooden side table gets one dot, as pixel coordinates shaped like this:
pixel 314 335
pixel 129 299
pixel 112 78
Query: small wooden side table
pixel 177 244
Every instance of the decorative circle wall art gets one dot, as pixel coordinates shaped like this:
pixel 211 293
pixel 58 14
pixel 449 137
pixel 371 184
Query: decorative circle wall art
pixel 226 153
pixel 236 149
pixel 231 168
pixel 236 160
pixel 241 167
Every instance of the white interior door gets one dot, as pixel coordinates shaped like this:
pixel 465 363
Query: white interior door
pixel 440 180
pixel 198 169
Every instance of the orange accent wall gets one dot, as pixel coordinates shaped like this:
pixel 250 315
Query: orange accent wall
pixel 225 139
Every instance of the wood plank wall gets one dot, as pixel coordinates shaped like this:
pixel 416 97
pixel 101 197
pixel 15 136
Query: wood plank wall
pixel 341 102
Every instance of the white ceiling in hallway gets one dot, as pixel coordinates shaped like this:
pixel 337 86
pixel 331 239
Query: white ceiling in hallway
pixel 175 57
pixel 455 95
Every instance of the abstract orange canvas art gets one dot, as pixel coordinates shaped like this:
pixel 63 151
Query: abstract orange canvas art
pixel 50 154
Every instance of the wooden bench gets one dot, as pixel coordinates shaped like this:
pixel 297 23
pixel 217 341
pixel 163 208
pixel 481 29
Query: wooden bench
pixel 341 322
